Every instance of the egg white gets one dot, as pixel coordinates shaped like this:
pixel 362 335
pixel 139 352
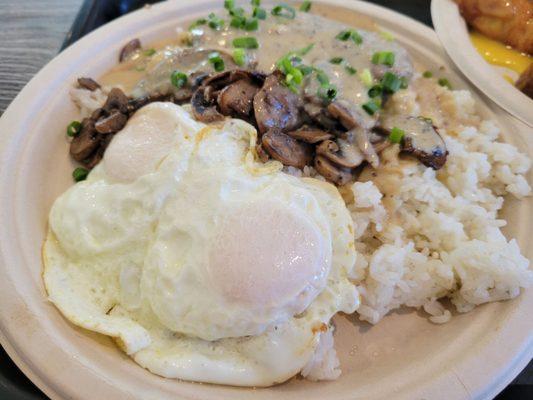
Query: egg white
pixel 124 254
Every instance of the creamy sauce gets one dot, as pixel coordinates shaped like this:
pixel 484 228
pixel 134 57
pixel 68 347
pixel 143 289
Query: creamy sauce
pixel 277 37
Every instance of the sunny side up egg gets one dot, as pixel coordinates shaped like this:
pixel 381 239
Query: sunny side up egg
pixel 202 263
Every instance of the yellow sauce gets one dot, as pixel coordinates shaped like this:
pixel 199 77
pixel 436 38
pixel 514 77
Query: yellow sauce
pixel 499 54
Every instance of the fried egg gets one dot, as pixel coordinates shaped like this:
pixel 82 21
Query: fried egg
pixel 202 263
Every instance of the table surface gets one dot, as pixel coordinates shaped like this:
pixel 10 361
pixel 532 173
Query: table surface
pixel 31 34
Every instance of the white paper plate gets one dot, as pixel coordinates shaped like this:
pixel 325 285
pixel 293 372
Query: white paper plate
pixel 403 357
pixel 452 31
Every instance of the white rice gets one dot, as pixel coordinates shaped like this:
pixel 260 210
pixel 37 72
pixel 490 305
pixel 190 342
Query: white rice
pixel 423 235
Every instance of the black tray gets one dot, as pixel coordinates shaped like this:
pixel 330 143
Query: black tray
pixel 94 13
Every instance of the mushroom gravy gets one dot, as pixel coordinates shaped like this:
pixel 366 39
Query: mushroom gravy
pixel 315 89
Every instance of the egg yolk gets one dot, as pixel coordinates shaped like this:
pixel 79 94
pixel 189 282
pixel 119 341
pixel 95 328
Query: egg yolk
pixel 267 254
pixel 499 54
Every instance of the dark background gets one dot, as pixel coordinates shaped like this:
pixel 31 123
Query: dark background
pixel 93 13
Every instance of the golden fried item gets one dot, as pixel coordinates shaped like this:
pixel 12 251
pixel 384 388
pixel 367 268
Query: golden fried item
pixel 508 21
pixel 525 82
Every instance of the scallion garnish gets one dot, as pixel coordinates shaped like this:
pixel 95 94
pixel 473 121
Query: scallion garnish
pixel 336 60
pixel 73 128
pixel 391 83
pixel 351 70
pixel 445 83
pixel 197 23
pixel 396 135
pixel 370 107
pixel 375 91
pixel 238 22
pixel 178 79
pixel 229 4
pixel 427 74
pixel 149 52
pixel 80 174
pixel 383 57
pixel 256 3
pixel 306 70
pixel 387 36
pixel 245 42
pixel 327 92
pixel 239 56
pixel 306 6
pixel 305 50
pixel 259 13
pixel 366 77
pixel 284 11
pixel 322 77
pixel 251 24
pixel 216 61
pixel 350 34
pixel 215 22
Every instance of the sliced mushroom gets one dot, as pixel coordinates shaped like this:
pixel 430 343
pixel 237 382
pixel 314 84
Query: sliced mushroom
pixel 86 142
pixel 88 83
pixel 237 98
pixel 275 106
pixel 342 153
pixel 320 116
pixel 261 153
pixel 421 139
pixel 130 47
pixel 310 135
pixel 333 173
pixel 204 107
pixel 116 100
pixel 359 136
pixel 112 123
pixel 379 141
pixel 289 151
pixel 348 115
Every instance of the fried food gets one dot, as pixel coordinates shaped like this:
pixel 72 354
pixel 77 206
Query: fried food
pixel 509 21
pixel 525 82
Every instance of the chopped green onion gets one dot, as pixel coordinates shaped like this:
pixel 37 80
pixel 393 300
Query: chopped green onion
pixel 322 77
pixel 445 83
pixel 284 11
pixel 245 42
pixel 239 56
pixel 149 52
pixel 375 91
pixel 229 4
pixel 237 12
pixel 327 92
pixel 336 60
pixel 404 83
pixel 197 23
pixel 216 61
pixel 390 82
pixel 383 57
pixel 295 75
pixel 259 13
pixel 371 107
pixel 305 50
pixel 238 22
pixel 350 34
pixel 80 174
pixel 427 119
pixel 251 24
pixel 387 35
pixel 306 6
pixel 73 128
pixel 215 22
pixel 343 35
pixel 256 3
pixel 351 70
pixel 178 79
pixel 366 77
pixel 306 70
pixel 396 135
pixel 427 74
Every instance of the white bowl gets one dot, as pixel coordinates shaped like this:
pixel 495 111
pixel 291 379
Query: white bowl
pixel 403 357
pixel 452 31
